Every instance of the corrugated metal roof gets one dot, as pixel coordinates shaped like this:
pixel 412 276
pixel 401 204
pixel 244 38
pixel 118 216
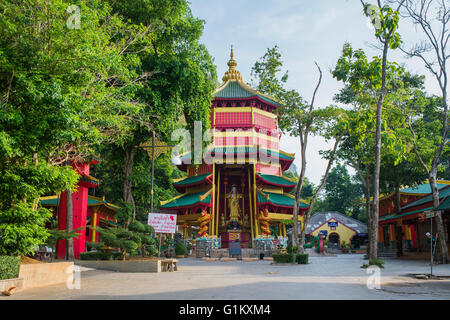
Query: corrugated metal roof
pixel 321 217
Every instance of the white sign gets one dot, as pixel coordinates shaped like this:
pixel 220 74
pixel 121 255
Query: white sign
pixel 430 214
pixel 162 222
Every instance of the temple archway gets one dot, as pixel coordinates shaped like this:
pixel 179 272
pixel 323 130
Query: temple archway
pixel 334 240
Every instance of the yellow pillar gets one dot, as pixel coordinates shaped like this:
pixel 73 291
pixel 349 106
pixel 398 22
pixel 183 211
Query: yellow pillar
pixel 254 199
pixel 217 202
pixel 213 212
pixel 94 225
pixel 252 228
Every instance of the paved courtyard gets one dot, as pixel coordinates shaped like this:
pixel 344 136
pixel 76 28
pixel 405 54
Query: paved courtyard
pixel 337 277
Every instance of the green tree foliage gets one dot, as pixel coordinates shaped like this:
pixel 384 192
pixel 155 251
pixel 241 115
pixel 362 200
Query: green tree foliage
pixel 112 181
pixel 178 81
pixel 57 235
pixel 62 91
pixel 301 119
pixel 363 84
pixel 342 193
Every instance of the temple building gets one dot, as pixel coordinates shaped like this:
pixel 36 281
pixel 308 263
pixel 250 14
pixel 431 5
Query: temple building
pixel 337 229
pixel 403 232
pixel 238 191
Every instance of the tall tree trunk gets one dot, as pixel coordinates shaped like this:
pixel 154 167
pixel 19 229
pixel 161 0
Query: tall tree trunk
pixel 303 145
pixel 373 252
pixel 437 65
pixel 298 193
pixel 127 183
pixel 301 248
pixel 439 221
pixel 69 223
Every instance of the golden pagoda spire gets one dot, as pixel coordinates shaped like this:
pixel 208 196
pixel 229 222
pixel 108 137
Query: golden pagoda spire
pixel 232 74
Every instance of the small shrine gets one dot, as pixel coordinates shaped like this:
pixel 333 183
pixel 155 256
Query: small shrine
pixel 241 192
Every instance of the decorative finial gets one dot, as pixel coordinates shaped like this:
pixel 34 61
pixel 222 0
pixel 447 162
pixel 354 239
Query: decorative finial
pixel 232 73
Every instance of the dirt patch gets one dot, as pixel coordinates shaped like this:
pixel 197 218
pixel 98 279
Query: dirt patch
pixel 27 260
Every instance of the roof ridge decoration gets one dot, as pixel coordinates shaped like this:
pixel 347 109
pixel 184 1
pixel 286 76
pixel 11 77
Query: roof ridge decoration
pixel 232 73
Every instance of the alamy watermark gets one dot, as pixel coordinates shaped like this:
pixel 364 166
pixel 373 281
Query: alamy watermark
pixel 373 17
pixel 73 281
pixel 374 280
pixel 235 145
pixel 74 20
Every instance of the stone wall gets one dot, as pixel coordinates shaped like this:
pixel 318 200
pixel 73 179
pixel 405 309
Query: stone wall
pixel 123 266
pixel 45 274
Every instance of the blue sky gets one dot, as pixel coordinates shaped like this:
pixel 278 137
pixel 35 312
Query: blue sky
pixel 306 31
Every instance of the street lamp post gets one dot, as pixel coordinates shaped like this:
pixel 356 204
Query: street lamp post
pixel 175 161
pixel 153 167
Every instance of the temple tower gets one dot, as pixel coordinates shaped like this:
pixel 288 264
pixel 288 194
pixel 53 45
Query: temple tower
pixel 239 190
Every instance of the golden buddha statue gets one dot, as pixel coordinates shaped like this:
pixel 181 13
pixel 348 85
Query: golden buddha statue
pixel 233 199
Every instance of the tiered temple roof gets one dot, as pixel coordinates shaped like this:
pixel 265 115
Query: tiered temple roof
pixel 245 156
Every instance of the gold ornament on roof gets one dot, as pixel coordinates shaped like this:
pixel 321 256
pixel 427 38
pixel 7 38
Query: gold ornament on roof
pixel 232 73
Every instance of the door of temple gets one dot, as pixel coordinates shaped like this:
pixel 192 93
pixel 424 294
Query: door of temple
pixel 334 240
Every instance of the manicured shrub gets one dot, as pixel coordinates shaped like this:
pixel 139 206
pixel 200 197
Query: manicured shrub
pixel 9 267
pixel 377 262
pixel 284 258
pixel 180 249
pixel 100 256
pixel 302 258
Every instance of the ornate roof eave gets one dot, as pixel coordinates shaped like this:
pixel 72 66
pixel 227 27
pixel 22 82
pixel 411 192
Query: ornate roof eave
pixel 287 187
pixel 199 201
pixel 255 94
pixel 180 186
pixel 285 163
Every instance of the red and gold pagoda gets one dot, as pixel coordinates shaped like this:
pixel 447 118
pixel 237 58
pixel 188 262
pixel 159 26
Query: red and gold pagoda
pixel 241 192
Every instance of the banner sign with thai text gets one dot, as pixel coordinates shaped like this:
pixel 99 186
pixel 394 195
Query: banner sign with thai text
pixel 162 222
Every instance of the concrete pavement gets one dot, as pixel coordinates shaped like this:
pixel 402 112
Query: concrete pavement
pixel 336 278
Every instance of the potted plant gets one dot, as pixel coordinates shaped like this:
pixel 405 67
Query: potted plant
pixel 344 247
pixel 180 250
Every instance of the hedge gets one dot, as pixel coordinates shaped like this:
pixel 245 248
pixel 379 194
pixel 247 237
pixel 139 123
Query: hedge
pixel 284 258
pixel 302 258
pixel 100 255
pixel 9 267
pixel 180 249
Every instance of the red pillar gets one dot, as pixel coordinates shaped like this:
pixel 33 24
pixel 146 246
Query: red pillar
pixel 80 202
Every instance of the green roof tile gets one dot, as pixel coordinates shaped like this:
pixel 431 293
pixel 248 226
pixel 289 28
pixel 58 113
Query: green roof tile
pixel 233 90
pixel 279 200
pixel 445 205
pixel 277 180
pixel 187 201
pixel 404 214
pixel 192 180
pixel 442 194
pixel 422 189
